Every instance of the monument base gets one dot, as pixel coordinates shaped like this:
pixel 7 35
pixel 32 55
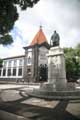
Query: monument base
pixel 47 87
pixel 53 87
pixel 48 92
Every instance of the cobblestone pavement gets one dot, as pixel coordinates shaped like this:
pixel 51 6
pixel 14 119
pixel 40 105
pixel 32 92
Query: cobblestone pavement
pixel 15 104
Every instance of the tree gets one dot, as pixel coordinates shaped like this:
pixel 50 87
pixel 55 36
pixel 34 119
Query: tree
pixel 70 66
pixel 8 16
pixel 72 59
pixel 77 48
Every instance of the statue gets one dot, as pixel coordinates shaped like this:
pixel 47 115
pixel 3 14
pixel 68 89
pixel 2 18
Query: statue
pixel 54 39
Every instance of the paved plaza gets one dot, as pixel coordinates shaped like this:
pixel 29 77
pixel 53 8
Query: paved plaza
pixel 15 104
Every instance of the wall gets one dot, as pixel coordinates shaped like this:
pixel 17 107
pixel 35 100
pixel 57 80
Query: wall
pixel 43 56
pixel 12 68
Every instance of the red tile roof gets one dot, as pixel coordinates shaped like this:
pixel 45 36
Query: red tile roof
pixel 39 38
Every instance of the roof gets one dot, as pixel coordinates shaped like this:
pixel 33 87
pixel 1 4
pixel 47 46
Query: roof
pixel 21 56
pixel 39 38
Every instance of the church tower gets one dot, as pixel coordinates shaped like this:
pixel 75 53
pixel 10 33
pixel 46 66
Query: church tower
pixel 35 56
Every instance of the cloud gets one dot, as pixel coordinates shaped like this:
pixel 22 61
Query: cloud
pixel 60 15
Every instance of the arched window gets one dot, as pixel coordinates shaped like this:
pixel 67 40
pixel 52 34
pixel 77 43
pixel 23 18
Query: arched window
pixel 29 60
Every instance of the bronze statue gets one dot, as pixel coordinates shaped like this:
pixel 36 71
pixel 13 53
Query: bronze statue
pixel 54 39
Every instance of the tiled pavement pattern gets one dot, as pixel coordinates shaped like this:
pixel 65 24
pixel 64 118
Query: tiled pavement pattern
pixel 16 105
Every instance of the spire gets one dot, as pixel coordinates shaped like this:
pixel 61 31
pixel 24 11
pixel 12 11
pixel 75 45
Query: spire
pixel 41 27
pixel 39 37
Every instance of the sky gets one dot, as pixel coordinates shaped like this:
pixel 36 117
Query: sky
pixel 60 15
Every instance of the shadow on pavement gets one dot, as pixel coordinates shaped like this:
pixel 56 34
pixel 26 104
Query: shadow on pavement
pixel 37 113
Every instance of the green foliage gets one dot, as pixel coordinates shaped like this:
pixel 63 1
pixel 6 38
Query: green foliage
pixel 78 50
pixel 8 15
pixel 6 40
pixel 72 58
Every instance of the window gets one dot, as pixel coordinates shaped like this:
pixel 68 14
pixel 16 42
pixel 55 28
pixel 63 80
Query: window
pixel 20 62
pixel 29 71
pixel 29 60
pixel 15 63
pixel 9 72
pixel 4 72
pixel 20 72
pixel 14 71
pixel 9 63
pixel 4 63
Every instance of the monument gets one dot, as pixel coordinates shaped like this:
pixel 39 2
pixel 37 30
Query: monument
pixel 55 39
pixel 56 64
pixel 57 86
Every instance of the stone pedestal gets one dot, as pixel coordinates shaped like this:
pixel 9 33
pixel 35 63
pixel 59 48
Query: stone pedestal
pixel 56 68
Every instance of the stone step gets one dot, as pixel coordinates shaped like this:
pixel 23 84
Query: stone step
pixel 56 95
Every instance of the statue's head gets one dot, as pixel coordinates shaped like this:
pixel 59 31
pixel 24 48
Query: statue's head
pixel 54 31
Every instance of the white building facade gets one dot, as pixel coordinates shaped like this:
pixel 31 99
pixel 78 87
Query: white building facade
pixel 13 68
pixel 26 66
